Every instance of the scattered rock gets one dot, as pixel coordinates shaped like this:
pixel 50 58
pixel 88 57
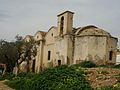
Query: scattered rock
pixel 100 77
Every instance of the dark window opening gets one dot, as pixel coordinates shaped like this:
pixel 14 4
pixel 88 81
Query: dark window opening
pixel 59 62
pixel 61 30
pixel 52 34
pixel 37 37
pixel 68 61
pixel 110 55
pixel 49 52
pixel 62 25
pixel 33 66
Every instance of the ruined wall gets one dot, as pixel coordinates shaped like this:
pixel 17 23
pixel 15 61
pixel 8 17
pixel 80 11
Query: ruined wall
pixel 111 47
pixel 28 38
pixel 38 36
pixel 64 49
pixel 118 59
pixel 81 49
pixel 46 62
pixel 39 56
pixel 37 63
pixel 61 50
pixel 97 49
pixel 70 49
pixel 49 47
pixel 90 48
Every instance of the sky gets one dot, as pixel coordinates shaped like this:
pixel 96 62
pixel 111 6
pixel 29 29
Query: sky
pixel 26 17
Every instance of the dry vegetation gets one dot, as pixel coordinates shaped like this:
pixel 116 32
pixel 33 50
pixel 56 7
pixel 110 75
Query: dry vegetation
pixel 101 77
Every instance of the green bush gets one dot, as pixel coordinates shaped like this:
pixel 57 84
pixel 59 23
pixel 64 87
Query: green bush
pixel 20 81
pixel 28 75
pixel 10 76
pixel 7 76
pixel 59 78
pixel 116 66
pixel 88 64
pixel 104 66
pixel 17 84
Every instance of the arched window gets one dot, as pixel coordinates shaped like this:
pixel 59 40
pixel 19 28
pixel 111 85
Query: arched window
pixel 61 25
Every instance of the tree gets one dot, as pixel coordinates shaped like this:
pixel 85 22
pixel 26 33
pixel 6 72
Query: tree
pixel 14 53
pixel 27 51
pixel 8 54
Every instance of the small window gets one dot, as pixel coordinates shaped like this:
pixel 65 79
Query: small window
pixel 37 37
pixel 52 34
pixel 110 55
pixel 68 61
pixel 59 62
pixel 49 52
pixel 33 66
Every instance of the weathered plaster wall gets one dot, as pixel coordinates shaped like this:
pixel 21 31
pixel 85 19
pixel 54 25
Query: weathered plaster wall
pixel 111 46
pixel 61 49
pixel 28 38
pixel 38 36
pixel 81 49
pixel 97 49
pixel 39 56
pixel 90 48
pixel 49 46
pixel 64 49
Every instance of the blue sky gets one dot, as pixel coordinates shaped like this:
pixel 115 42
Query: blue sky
pixel 28 16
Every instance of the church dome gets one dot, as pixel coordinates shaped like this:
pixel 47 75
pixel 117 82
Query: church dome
pixel 91 30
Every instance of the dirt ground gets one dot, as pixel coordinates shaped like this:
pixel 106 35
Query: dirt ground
pixel 4 87
pixel 99 77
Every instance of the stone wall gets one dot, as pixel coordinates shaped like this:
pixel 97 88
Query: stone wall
pixel 90 48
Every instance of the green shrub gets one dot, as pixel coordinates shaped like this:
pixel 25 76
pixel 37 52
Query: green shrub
pixel 10 76
pixel 28 75
pixel 88 64
pixel 116 66
pixel 17 84
pixel 7 76
pixel 104 66
pixel 59 78
pixel 21 81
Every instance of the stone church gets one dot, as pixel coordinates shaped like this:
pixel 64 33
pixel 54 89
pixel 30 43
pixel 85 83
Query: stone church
pixel 63 44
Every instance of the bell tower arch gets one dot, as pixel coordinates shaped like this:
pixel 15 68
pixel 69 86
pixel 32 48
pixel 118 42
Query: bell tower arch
pixel 65 22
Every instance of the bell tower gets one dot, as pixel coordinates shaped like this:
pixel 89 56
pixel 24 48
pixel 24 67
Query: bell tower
pixel 65 22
